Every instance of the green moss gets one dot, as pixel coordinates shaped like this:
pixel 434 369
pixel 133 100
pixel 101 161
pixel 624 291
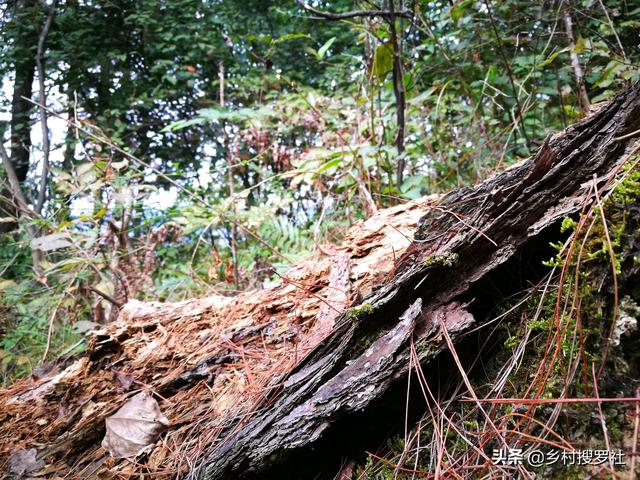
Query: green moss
pixel 445 259
pixel 568 224
pixel 629 189
pixel 511 342
pixel 423 349
pixel 615 424
pixel 359 312
pixel 541 325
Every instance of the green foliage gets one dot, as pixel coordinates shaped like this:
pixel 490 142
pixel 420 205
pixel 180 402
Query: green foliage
pixel 382 61
pixel 24 342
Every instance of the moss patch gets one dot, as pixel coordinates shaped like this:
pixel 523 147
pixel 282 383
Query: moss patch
pixel 359 312
pixel 445 259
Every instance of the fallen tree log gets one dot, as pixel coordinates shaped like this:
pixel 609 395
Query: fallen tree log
pixel 209 360
pixel 461 245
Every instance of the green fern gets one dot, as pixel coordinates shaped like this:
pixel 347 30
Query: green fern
pixel 283 234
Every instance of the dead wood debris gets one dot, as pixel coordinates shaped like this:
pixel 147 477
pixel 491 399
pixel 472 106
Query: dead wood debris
pixel 207 361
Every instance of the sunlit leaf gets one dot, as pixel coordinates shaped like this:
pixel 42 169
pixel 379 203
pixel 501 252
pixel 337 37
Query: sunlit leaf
pixel 552 57
pixel 324 48
pixel 382 60
pixel 457 10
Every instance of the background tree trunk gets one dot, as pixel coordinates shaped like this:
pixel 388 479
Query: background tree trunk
pixel 25 65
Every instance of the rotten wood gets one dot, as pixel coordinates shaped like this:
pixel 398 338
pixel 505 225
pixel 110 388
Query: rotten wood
pixel 206 359
pixel 337 298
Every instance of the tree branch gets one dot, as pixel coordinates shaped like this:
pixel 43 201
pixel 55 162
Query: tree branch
pixel 398 91
pixel 519 110
pixel 21 204
pixel 582 95
pixel 354 14
pixel 107 297
pixel 46 147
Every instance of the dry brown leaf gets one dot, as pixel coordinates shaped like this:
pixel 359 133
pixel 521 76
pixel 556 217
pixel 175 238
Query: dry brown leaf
pixel 134 427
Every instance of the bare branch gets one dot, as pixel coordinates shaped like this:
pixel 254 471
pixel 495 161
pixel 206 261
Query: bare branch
pixel 46 147
pixel 613 29
pixel 354 14
pixel 107 297
pixel 398 91
pixel 583 98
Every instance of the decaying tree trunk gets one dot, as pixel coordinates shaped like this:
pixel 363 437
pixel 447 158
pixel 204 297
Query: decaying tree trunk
pixel 463 245
pixel 207 360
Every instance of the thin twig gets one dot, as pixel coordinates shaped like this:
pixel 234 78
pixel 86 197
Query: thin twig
pixel 603 421
pixel 628 135
pixel 615 33
pixel 509 71
pixel 636 427
pixel 233 241
pixel 456 359
pixel 545 401
pixel 614 263
pixel 50 331
pixel 46 147
pixel 107 297
pixel 429 397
